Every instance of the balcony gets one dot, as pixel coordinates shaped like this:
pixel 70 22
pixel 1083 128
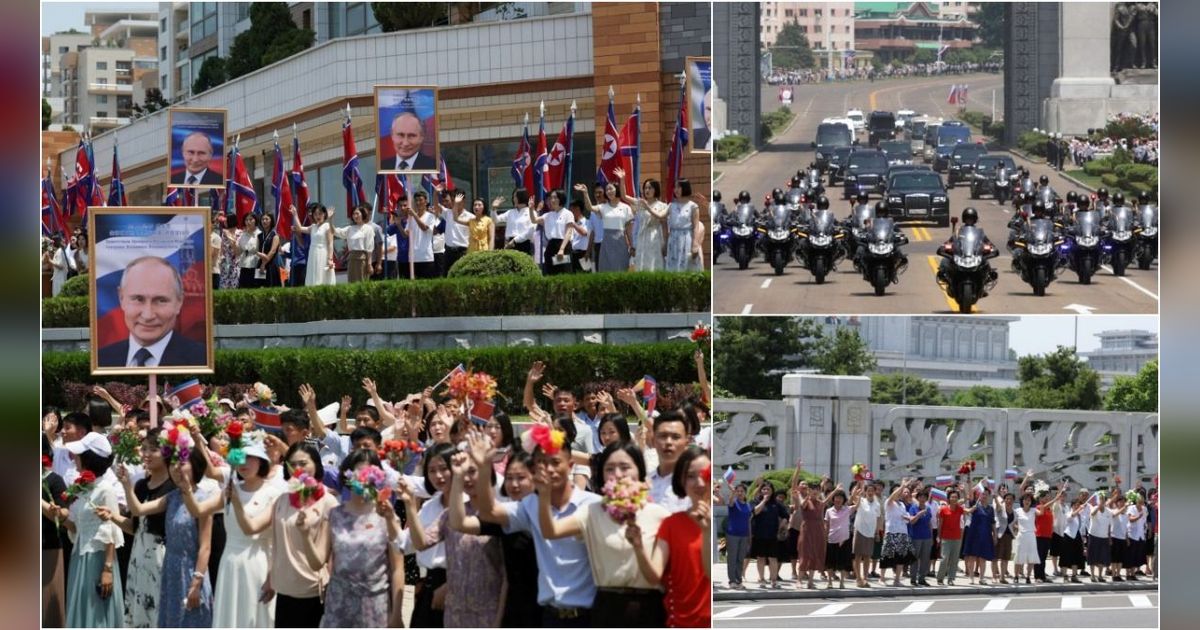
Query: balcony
pixel 110 88
pixel 107 122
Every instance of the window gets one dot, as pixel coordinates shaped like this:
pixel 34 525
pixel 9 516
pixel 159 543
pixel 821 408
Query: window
pixel 204 20
pixel 817 12
pixel 817 28
pixel 804 28
pixel 847 28
pixel 162 53
pixel 788 13
pixel 101 113
pixel 306 19
pixel 102 81
pixel 803 12
pixel 102 99
pixel 162 25
pixel 62 50
pixel 356 18
pixel 243 11
pixel 102 65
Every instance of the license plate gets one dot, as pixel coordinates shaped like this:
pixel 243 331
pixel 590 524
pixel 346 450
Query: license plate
pixel 916 211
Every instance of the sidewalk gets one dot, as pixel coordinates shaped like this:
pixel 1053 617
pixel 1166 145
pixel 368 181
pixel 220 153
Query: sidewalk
pixel 789 590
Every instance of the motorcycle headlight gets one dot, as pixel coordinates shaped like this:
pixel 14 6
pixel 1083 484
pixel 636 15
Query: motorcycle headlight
pixel 881 248
pixel 1087 241
pixel 1122 235
pixel 1150 231
pixel 968 262
pixel 820 240
pixel 820 155
pixel 1040 249
pixel 741 230
pixel 778 234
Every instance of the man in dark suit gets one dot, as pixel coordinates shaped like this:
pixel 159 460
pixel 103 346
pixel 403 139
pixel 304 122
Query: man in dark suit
pixel 151 297
pixel 408 134
pixel 197 152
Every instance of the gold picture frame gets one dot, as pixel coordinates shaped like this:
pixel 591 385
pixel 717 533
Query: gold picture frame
pixel 699 93
pixel 192 120
pixel 387 105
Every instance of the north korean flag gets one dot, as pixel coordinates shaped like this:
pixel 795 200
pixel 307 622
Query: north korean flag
pixel 609 157
pixel 299 186
pixel 52 219
pixel 630 151
pixel 116 190
pixel 558 163
pixel 351 177
pixel 245 200
pixel 522 164
pixel 282 192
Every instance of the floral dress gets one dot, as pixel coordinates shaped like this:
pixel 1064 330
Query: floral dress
pixel 229 268
pixel 679 242
pixel 474 577
pixel 183 543
pixel 358 595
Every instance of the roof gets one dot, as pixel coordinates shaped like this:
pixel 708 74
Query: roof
pixel 891 8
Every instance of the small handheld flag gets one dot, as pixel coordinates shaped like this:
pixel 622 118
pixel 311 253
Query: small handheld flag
pixel 351 177
pixel 649 388
pixel 729 475
pixel 1010 474
pixel 188 393
pixel 482 411
pixel 458 369
pixel 267 419
pixel 942 481
pixel 939 494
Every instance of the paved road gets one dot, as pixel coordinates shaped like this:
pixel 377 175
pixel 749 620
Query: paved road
pixel 757 290
pixel 1124 610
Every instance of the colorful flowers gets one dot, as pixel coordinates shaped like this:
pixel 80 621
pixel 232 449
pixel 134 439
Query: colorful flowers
pixel 83 485
pixel 542 436
pixel 861 472
pixel 967 467
pixel 126 446
pixel 1132 496
pixel 212 421
pixel 701 335
pixel 400 453
pixel 47 464
pixel 624 497
pixel 175 441
pixel 239 439
pixel 366 482
pixel 304 490
pixel 472 385
pixel 263 394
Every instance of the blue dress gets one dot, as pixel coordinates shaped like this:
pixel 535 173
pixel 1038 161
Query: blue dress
pixel 977 539
pixel 183 543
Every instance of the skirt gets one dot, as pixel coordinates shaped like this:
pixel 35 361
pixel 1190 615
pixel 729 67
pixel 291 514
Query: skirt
pixel 1025 549
pixel 837 556
pixel 1117 554
pixel 423 614
pixel 246 279
pixel 1098 550
pixel 145 572
pixel 85 607
pixel 359 266
pixel 628 608
pixel 1135 554
pixel 1070 552
pixel 54 601
pixel 1056 542
pixel 897 550
pixel 298 612
pixel 614 253
pixel 863 545
pixel 787 550
pixel 766 547
pixel 1004 548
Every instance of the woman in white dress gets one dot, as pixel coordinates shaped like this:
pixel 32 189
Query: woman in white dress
pixel 651 222
pixel 321 269
pixel 56 257
pixel 683 215
pixel 1025 553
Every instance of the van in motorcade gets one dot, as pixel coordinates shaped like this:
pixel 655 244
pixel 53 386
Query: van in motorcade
pixel 829 137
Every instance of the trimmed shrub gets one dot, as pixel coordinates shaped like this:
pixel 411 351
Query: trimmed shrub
pixel 1097 168
pixel 731 148
pixel 1111 180
pixel 1033 143
pixel 1128 128
pixel 333 372
pixel 499 262
pixel 567 294
pixel 75 287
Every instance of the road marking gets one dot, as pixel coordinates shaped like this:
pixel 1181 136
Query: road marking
pixel 1130 283
pixel 1000 603
pixel 1079 308
pixel 917 607
pixel 932 612
pixel 1140 601
pixel 766 283
pixel 831 609
pixel 1069 603
pixel 735 611
pixel 871 98
pixel 746 309
pixel 933 265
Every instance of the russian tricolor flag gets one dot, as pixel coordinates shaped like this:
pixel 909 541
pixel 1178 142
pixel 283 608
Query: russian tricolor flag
pixel 942 481
pixel 1010 474
pixel 729 476
pixel 939 494
pixel 1095 499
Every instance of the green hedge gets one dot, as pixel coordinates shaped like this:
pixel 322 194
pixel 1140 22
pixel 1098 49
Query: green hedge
pixel 499 262
pixel 333 372
pixel 776 121
pixel 75 287
pixel 585 293
pixel 1033 143
pixel 732 148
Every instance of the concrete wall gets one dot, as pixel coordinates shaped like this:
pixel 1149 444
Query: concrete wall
pixel 735 65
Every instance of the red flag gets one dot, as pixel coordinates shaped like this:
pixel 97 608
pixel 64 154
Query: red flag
pixel 628 153
pixel 522 177
pixel 83 178
pixel 559 162
pixel 390 190
pixel 351 177
pixel 245 199
pixel 679 140
pixel 611 149
pixel 953 97
pixel 300 187
pixel 283 197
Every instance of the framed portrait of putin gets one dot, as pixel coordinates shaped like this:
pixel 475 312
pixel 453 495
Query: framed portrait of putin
pixel 700 95
pixel 406 125
pixel 196 148
pixel 150 293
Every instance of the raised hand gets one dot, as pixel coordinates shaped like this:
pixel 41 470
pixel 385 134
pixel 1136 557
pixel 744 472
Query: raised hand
pixel 121 473
pixel 302 520
pixel 369 386
pixel 633 534
pixel 548 390
pixel 345 408
pixel 459 462
pixel 497 202
pixel 619 172
pixel 459 198
pixel 480 449
pixel 580 188
pixel 606 402
pixel 536 371
pixel 702 514
pixel 308 396
pixel 627 396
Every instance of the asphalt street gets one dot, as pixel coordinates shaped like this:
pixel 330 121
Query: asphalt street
pixel 757 290
pixel 1124 610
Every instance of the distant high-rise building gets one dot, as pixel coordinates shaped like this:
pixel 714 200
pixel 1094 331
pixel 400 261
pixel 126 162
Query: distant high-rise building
pixel 829 26
pixel 93 79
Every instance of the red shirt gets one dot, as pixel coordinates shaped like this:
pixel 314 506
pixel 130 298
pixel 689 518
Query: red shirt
pixel 1043 524
pixel 950 522
pixel 688 599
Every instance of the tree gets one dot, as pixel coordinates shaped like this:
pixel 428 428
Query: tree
pixel 1058 380
pixel 844 353
pixel 272 36
pixel 154 102
pixel 984 396
pixel 401 16
pixel 212 74
pixel 923 55
pixel 791 50
pixel 752 353
pixel 992 24
pixel 46 113
pixel 1135 393
pixel 904 389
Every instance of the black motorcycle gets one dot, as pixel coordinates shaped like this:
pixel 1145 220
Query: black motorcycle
pixel 777 238
pixel 720 230
pixel 856 227
pixel 882 261
pixel 1146 233
pixel 969 275
pixel 820 247
pixel 1083 245
pixel 1038 255
pixel 742 235
pixel 1118 240
pixel 1004 184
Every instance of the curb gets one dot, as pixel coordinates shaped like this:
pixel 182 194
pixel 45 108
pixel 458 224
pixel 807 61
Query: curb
pixel 908 591
pixel 755 152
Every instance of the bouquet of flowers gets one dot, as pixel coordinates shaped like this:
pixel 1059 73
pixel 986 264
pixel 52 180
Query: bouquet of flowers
pixel 861 472
pixel 237 443
pixel 701 335
pixel 473 385
pixel 175 440
pixel 47 464
pixel 127 445
pixel 1040 487
pixel 624 497
pixel 367 482
pixel 304 490
pixel 967 467
pixel 208 414
pixel 265 396
pixel 400 453
pixel 549 440
pixel 83 485
pixel 1132 496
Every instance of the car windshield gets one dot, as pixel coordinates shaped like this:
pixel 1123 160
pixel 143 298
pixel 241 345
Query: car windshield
pixel 951 135
pixel 855 117
pixel 989 162
pixel 883 122
pixel 865 160
pixel 968 153
pixel 915 181
pixel 918 128
pixel 896 149
pixel 833 135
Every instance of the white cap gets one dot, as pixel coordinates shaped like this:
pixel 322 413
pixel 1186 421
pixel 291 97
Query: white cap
pixel 328 414
pixel 93 442
pixel 255 448
pixel 226 401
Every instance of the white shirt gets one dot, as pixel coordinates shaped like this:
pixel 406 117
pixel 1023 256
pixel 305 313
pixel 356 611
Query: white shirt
pixel 1101 523
pixel 156 351
pixel 1137 529
pixel 662 494
pixel 188 178
pixel 517 226
pixel 866 517
pixel 214 242
pixel 422 240
pixel 360 238
pixel 248 249
pixel 579 242
pixel 1120 525
pixel 390 251
pixel 457 234
pixel 894 522
pixel 435 556
pixel 615 217
pixel 555 223
pixel 1072 525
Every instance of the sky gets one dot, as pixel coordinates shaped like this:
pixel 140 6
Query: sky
pixel 62 16
pixel 1039 335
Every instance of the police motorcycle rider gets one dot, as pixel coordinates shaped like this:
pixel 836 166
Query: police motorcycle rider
pixel 717 218
pixel 856 225
pixel 970 217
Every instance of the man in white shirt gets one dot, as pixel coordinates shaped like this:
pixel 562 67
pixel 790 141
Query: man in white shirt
pixel 457 235
pixel 420 224
pixel 670 438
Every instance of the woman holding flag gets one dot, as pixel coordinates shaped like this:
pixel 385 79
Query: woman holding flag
pixel 979 538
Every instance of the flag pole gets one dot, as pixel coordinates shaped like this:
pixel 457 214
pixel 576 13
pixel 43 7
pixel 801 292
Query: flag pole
pixel 637 166
pixel 571 149
pixel 292 251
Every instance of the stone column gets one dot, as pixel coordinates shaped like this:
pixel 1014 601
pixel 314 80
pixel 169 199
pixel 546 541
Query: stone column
pixel 832 422
pixel 1079 96
pixel 736 34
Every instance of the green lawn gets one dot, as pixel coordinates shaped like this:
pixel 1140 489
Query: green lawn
pixel 1081 175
